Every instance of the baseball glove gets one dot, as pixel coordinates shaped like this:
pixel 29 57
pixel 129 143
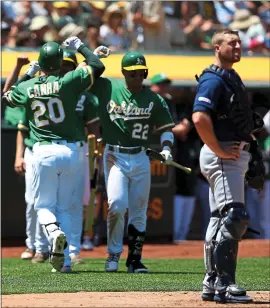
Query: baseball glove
pixel 255 176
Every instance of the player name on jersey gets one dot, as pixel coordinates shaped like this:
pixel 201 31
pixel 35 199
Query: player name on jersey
pixel 43 89
pixel 126 110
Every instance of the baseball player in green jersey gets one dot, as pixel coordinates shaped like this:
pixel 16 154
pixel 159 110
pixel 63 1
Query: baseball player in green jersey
pixel 86 115
pixel 36 242
pixel 50 101
pixel 129 113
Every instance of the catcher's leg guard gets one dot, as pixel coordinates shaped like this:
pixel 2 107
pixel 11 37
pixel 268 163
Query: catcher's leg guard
pixel 209 245
pixel 234 224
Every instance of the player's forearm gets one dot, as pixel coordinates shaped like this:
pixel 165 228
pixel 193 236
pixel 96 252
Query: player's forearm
pixel 11 79
pixel 92 60
pixel 20 146
pixel 204 126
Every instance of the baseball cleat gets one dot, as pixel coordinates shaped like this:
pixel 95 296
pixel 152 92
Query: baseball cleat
pixel 57 252
pixel 64 269
pixel 208 288
pixel 137 267
pixel 40 257
pixel 233 294
pixel 87 245
pixel 111 264
pixel 76 259
pixel 28 254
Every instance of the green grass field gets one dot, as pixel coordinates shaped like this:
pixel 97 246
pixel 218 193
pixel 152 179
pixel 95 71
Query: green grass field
pixel 166 275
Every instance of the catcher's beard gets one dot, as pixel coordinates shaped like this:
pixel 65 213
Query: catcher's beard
pixel 228 59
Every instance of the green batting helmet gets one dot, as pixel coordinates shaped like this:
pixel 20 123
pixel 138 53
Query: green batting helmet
pixel 70 56
pixel 134 61
pixel 50 57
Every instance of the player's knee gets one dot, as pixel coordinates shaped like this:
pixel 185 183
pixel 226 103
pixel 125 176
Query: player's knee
pixel 117 207
pixel 235 222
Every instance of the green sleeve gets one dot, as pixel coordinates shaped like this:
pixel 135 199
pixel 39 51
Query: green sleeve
pixel 18 97
pixel 13 116
pixel 162 118
pixel 80 80
pixel 101 87
pixel 91 109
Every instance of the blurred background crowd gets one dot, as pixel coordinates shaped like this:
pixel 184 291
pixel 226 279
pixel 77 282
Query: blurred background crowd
pixel 159 27
pixel 144 25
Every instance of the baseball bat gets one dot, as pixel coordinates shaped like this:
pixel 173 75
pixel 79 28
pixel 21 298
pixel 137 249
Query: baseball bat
pixel 157 156
pixel 94 153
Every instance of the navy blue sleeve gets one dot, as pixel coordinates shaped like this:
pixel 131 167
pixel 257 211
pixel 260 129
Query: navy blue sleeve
pixel 208 93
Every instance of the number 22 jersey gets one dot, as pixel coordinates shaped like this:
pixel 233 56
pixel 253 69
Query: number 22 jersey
pixel 128 119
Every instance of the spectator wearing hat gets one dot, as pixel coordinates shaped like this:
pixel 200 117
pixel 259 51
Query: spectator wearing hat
pixel 248 27
pixel 71 29
pixel 113 32
pixel 41 30
pixel 60 9
pixel 97 8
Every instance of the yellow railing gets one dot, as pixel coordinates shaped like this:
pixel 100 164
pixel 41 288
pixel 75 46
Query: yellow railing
pixel 177 67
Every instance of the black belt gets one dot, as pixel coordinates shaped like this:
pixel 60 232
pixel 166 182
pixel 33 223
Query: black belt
pixel 115 148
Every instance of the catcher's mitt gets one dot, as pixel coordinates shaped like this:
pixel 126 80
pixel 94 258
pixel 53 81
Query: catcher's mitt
pixel 255 176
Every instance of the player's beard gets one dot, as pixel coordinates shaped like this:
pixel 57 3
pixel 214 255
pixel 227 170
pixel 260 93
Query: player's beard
pixel 232 58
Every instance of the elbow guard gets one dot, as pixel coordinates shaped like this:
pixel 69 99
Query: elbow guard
pixel 167 136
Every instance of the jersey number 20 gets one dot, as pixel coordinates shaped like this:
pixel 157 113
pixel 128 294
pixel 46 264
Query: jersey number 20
pixel 140 131
pixel 53 104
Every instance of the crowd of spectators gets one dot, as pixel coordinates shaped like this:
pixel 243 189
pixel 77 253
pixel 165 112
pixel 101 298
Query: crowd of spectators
pixel 141 25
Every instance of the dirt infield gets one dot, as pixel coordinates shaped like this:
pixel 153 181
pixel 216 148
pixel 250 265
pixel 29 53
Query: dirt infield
pixel 189 249
pixel 192 249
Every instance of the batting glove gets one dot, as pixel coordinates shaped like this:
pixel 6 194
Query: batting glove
pixel 166 153
pixel 102 52
pixel 33 69
pixel 73 43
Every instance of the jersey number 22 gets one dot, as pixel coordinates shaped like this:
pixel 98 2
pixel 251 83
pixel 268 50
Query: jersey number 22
pixel 56 117
pixel 140 131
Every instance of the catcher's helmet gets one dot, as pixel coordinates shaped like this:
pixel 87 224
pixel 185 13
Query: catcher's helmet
pixel 70 56
pixel 50 57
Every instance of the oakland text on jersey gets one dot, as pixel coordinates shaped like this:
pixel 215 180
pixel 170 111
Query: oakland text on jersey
pixel 43 89
pixel 128 111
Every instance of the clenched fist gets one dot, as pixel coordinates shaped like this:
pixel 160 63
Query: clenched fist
pixel 166 153
pixel 72 43
pixel 102 52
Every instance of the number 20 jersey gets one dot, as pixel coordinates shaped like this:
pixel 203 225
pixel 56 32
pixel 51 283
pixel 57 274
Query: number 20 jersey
pixel 128 119
pixel 50 103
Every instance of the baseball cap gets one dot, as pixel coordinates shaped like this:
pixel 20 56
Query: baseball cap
pixel 160 78
pixel 100 5
pixel 70 30
pixel 38 23
pixel 61 5
pixel 134 60
pixel 70 56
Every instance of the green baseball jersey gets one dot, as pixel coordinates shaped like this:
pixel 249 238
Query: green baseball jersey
pixel 50 103
pixel 13 115
pixel 128 119
pixel 86 109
